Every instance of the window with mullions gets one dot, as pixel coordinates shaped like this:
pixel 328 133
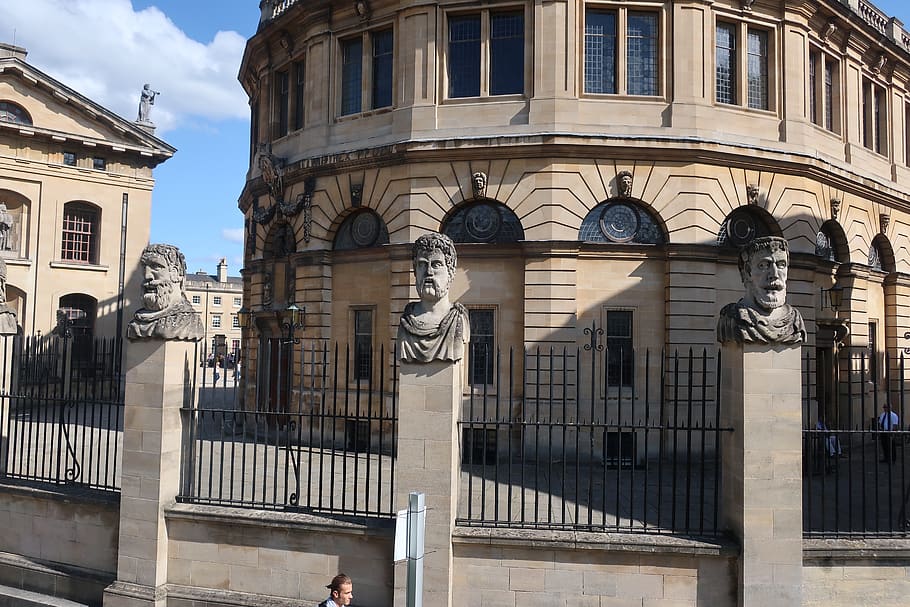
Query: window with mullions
pixel 619 348
pixel 482 352
pixel 506 50
pixel 728 39
pixel 11 112
pixel 377 82
pixel 80 233
pixel 824 78
pixel 363 344
pixel 299 81
pixel 875 117
pixel 602 40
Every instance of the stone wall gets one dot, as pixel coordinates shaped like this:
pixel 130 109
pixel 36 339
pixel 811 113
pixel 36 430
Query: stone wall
pixel 58 544
pixel 845 573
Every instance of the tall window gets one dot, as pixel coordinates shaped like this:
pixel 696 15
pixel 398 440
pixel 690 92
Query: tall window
pixel 609 70
pixel 725 63
pixel 375 82
pixel 351 70
pixel 299 80
pixel 482 349
pixel 875 117
pixel 729 72
pixel 235 321
pixel 468 76
pixel 216 321
pixel 363 344
pixel 758 69
pixel 79 242
pixel 619 347
pixel 282 98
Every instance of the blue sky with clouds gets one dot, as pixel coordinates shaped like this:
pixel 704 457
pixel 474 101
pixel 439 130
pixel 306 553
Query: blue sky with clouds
pixel 190 50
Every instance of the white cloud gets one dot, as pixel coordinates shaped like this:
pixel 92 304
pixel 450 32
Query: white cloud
pixel 232 234
pixel 106 50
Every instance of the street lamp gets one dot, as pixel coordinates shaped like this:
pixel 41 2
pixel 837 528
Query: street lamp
pixel 244 317
pixel 835 297
pixel 291 319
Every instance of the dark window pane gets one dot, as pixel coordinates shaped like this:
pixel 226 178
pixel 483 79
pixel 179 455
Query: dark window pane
pixel 758 69
pixel 829 95
pixel 814 59
pixel 725 59
pixel 507 53
pixel 480 368
pixel 281 103
pixel 363 344
pixel 619 348
pixel 641 57
pixel 69 159
pixel 351 71
pixel 382 69
pixel 98 163
pixel 10 112
pixel 464 56
pixel 600 52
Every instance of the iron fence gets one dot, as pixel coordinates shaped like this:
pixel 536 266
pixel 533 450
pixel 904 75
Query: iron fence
pixel 305 436
pixel 856 480
pixel 593 444
pixel 61 400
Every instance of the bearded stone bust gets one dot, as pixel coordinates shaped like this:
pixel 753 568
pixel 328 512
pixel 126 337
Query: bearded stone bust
pixel 433 328
pixel 166 312
pixel 763 314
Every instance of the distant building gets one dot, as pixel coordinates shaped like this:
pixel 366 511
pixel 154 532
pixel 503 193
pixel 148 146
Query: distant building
pixel 75 201
pixel 217 298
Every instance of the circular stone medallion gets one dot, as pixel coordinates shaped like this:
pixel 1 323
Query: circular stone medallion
pixel 619 222
pixel 482 222
pixel 365 229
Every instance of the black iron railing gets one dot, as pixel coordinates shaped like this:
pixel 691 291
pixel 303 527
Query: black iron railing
pixel 307 436
pixel 62 399
pixel 856 473
pixel 587 447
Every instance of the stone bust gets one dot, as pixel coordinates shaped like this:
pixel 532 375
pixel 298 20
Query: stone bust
pixel 433 328
pixel 763 315
pixel 624 184
pixel 479 184
pixel 166 313
pixel 8 322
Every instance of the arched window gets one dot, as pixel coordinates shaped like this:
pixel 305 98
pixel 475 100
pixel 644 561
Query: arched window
pixel 80 233
pixel 80 310
pixel 743 225
pixel 483 221
pixel 621 221
pixel 12 112
pixel 360 230
pixel 881 255
pixel 831 243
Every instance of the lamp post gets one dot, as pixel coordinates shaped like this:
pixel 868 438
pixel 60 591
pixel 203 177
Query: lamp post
pixel 291 319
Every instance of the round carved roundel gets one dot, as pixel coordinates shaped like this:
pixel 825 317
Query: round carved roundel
pixel 482 222
pixel 365 229
pixel 741 228
pixel 619 222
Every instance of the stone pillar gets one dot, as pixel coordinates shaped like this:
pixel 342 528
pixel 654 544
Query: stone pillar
pixel 428 409
pixel 762 469
pixel 157 373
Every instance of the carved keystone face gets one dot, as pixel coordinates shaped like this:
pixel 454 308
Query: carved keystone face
pixel 432 276
pixel 159 283
pixel 766 282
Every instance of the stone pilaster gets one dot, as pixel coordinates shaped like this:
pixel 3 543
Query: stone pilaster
pixel 762 489
pixel 157 373
pixel 429 401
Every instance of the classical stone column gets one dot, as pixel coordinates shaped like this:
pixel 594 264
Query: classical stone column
pixel 160 357
pixel 762 468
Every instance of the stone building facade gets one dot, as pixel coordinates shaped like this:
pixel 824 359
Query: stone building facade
pixel 76 189
pixel 596 162
pixel 218 298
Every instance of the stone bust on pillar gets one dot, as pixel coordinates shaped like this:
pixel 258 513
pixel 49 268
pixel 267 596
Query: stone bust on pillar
pixel 166 313
pixel 763 315
pixel 433 328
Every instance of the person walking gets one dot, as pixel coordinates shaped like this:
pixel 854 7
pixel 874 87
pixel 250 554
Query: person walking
pixel 341 592
pixel 888 421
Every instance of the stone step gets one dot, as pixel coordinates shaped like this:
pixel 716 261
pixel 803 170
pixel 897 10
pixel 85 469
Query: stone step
pixel 14 597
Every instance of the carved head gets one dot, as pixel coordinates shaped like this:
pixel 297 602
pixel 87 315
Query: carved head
pixel 763 265
pixel 479 184
pixel 434 265
pixel 752 192
pixel 624 183
pixel 163 272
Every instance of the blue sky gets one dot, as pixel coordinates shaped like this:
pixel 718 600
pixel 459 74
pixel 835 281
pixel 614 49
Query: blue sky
pixel 190 50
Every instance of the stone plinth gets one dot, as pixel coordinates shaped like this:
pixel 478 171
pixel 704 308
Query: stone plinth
pixel 762 472
pixel 429 402
pixel 157 373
